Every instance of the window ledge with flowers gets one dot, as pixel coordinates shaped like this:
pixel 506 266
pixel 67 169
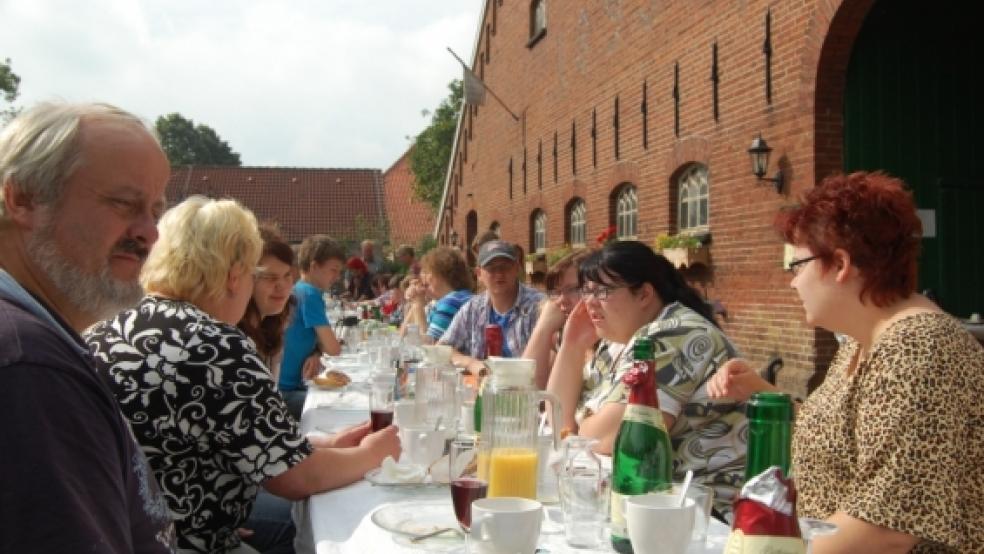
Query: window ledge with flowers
pixel 683 251
pixel 542 261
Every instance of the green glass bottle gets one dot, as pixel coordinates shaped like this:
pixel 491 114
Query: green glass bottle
pixel 770 432
pixel 642 458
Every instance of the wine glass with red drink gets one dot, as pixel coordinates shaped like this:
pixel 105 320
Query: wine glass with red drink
pixel 466 485
pixel 381 402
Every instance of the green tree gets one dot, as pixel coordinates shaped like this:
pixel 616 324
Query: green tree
pixel 9 85
pixel 188 144
pixel 431 149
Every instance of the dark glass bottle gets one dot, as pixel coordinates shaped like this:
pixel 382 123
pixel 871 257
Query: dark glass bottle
pixel 493 347
pixel 642 458
pixel 765 511
pixel 770 426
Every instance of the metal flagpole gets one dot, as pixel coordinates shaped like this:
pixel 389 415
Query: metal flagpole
pixel 490 91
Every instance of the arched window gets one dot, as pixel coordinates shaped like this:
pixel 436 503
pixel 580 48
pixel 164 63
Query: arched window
pixel 578 223
pixel 626 212
pixel 693 207
pixel 538 242
pixel 538 19
pixel 496 228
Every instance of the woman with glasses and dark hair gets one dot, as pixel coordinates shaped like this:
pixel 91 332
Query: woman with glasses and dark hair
pixel 628 291
pixel 889 447
pixel 562 295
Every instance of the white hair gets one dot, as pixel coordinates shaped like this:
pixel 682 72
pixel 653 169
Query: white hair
pixel 40 148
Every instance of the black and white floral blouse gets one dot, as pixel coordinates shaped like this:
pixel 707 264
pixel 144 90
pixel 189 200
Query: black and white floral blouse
pixel 204 409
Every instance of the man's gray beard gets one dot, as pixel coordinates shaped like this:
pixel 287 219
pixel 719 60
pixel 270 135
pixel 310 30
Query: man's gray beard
pixel 100 296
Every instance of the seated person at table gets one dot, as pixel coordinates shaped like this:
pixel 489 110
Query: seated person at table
pixel 505 301
pixel 890 446
pixel 395 304
pixel 407 259
pixel 562 295
pixel 628 291
pixel 198 398
pixel 272 303
pixel 309 333
pixel 270 522
pixel 446 279
pixel 81 186
pixel 359 285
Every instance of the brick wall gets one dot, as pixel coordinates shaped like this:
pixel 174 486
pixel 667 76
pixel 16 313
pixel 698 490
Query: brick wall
pixel 594 52
pixel 409 218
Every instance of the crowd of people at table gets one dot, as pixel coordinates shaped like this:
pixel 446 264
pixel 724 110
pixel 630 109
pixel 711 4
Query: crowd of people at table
pixel 155 358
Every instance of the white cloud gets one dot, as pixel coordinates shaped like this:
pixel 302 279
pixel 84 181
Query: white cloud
pixel 331 83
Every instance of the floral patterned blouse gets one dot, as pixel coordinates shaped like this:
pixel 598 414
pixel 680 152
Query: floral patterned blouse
pixel 204 409
pixel 899 442
pixel 708 436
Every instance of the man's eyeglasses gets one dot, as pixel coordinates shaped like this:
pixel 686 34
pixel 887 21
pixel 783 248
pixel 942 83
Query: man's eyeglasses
pixel 795 266
pixel 569 292
pixel 601 292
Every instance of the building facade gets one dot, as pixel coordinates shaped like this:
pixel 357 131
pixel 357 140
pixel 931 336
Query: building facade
pixel 639 114
pixel 409 219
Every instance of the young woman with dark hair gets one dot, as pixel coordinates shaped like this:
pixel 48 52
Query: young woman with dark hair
pixel 628 291
pixel 269 309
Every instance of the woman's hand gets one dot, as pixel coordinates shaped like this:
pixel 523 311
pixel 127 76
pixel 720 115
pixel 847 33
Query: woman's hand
pixel 552 316
pixel 382 443
pixel 351 436
pixel 736 380
pixel 579 331
pixel 416 292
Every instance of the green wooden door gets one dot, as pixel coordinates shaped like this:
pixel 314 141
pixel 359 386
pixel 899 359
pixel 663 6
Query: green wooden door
pixel 913 109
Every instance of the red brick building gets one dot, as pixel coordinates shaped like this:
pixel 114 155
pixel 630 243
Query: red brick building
pixel 639 114
pixel 409 219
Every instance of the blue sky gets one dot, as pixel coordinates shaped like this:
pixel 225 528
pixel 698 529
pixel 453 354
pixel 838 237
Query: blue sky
pixel 312 83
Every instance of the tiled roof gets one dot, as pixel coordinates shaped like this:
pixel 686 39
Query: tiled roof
pixel 409 219
pixel 302 201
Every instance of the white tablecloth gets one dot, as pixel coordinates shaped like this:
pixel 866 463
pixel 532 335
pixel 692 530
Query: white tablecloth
pixel 368 537
pixel 338 522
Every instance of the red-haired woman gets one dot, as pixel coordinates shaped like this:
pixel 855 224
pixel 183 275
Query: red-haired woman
pixel 889 447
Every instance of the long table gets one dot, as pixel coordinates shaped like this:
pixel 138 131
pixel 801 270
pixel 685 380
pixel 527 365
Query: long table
pixel 338 521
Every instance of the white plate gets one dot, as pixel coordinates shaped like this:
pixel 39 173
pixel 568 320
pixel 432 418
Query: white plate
pixel 373 477
pixel 414 518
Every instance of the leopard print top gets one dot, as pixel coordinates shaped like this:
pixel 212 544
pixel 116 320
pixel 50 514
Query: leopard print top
pixel 900 441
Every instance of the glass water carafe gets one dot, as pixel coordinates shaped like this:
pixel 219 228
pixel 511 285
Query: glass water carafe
pixel 511 425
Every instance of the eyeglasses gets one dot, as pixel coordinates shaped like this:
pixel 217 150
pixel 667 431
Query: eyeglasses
pixel 568 292
pixel 795 266
pixel 601 292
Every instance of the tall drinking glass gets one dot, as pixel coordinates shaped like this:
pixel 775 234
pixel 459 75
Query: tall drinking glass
pixel 381 403
pixel 466 486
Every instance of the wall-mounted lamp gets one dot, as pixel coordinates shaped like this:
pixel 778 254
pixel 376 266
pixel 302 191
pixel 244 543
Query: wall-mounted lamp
pixel 759 152
pixel 454 237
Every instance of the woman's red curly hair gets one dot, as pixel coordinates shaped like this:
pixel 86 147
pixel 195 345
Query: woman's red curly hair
pixel 873 218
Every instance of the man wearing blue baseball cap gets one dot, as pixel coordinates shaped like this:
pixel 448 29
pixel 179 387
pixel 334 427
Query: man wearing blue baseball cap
pixel 505 302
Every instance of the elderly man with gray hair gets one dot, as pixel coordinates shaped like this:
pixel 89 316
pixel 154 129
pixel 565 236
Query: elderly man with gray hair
pixel 82 186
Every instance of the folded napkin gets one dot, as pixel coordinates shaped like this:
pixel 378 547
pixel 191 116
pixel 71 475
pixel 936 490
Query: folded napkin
pixel 392 471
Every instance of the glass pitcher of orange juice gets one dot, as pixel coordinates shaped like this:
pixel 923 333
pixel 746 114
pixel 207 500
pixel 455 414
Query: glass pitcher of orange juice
pixel 511 423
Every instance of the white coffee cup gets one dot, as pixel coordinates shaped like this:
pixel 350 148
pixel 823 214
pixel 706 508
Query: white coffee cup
pixel 421 445
pixel 506 525
pixel 658 525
